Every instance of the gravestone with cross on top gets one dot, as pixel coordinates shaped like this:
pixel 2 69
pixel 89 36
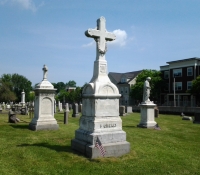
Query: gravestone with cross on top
pixel 100 106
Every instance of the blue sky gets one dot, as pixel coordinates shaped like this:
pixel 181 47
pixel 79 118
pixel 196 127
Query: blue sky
pixel 149 33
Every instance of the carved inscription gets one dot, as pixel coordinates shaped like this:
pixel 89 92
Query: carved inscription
pixel 46 107
pixel 112 125
pixel 103 68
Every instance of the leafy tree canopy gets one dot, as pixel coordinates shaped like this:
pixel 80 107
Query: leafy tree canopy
pixel 6 93
pixel 195 89
pixel 156 83
pixel 71 83
pixel 18 84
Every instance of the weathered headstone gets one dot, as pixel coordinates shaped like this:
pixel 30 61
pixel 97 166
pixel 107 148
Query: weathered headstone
pixel 44 106
pixel 66 113
pixel 80 108
pixel 100 121
pixel 156 111
pixel 1 109
pixel 54 106
pixel 196 118
pixel 75 110
pixel 147 108
pixel 122 111
pixel 129 109
pixel 12 118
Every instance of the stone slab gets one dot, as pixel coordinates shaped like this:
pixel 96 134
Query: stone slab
pixel 106 137
pixel 90 151
pixel 43 127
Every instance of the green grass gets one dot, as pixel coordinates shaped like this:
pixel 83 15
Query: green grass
pixel 174 150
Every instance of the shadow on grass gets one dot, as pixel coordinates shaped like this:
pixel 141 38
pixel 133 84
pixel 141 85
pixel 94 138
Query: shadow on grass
pixel 129 126
pixel 16 126
pixel 57 148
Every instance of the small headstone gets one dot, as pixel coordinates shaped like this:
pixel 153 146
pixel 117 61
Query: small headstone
pixel 156 112
pixel 187 118
pixel 66 113
pixel 12 118
pixel 80 108
pixel 75 110
pixel 122 111
pixel 1 109
pixel 129 109
pixel 196 118
pixel 54 106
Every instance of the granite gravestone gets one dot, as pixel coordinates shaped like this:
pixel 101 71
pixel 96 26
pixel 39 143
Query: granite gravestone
pixel 44 106
pixel 100 106
pixel 75 110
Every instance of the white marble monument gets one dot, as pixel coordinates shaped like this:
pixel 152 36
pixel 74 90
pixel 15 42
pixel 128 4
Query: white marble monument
pixel 147 108
pixel 100 107
pixel 44 106
pixel 23 98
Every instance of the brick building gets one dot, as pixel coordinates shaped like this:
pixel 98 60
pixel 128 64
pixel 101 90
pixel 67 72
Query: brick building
pixel 181 73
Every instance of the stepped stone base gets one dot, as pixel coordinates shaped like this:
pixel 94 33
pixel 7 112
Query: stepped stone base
pixel 43 127
pixel 90 151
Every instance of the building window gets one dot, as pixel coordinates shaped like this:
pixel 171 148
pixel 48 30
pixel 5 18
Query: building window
pixel 166 75
pixel 189 85
pixel 126 90
pixel 166 87
pixel 121 90
pixel 189 71
pixel 177 72
pixel 123 80
pixel 178 86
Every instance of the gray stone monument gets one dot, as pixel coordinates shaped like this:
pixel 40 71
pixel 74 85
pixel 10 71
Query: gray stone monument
pixel 100 110
pixel 147 108
pixel 75 110
pixel 44 106
pixel 122 111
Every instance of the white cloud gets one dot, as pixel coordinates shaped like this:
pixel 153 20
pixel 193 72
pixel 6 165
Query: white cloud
pixel 92 43
pixel 121 39
pixel 25 4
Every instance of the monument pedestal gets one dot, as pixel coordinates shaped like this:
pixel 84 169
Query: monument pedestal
pixel 100 122
pixel 44 106
pixel 147 115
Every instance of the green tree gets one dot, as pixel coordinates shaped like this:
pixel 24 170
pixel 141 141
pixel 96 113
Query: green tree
pixel 18 83
pixel 59 86
pixel 6 93
pixel 71 83
pixel 195 89
pixel 156 84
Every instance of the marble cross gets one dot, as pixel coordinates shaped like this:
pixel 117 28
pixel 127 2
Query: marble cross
pixel 100 35
pixel 45 69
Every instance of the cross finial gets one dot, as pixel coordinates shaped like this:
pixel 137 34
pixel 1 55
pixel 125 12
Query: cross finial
pixel 100 35
pixel 45 69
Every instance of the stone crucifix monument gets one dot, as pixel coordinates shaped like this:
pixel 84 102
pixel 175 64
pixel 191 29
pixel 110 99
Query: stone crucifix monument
pixel 44 106
pixel 100 106
pixel 147 108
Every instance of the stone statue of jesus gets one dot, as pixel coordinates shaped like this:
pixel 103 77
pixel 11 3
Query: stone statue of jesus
pixel 146 90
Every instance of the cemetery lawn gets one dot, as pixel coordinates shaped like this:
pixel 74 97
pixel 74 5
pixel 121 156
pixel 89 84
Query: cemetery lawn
pixel 175 149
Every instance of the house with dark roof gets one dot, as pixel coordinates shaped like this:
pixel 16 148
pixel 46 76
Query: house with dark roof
pixel 178 76
pixel 123 81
